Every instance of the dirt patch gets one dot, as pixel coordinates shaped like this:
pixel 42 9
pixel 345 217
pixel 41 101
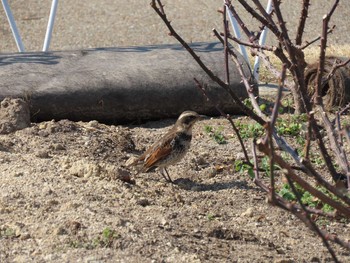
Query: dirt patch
pixel 14 115
pixel 62 200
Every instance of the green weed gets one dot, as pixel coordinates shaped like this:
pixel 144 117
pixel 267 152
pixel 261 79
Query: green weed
pixel 250 130
pixel 306 197
pixel 217 135
pixel 242 167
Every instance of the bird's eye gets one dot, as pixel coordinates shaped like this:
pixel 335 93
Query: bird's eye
pixel 189 119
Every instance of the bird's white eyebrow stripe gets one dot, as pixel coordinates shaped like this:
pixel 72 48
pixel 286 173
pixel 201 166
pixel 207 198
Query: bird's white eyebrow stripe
pixel 184 115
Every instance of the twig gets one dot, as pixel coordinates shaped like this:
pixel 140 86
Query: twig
pixel 215 78
pixel 296 210
pixel 274 29
pixel 324 198
pixel 248 33
pixel 271 155
pixel 228 117
pixel 270 126
pixel 249 87
pixel 264 13
pixel 308 136
pixel 252 45
pixel 308 43
pixel 335 67
pixel 279 95
pixel 311 223
pixel 225 25
pixel 339 152
pixel 344 110
pixel 255 159
pixel 321 63
pixel 302 20
pixel 281 22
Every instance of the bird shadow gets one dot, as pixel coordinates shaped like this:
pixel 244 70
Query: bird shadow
pixel 188 184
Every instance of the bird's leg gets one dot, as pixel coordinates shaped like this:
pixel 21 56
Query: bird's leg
pixel 165 174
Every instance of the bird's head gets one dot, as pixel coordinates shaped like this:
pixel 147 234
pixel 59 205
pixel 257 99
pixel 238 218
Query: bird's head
pixel 187 119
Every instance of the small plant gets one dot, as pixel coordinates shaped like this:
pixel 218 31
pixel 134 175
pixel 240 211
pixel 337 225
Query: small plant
pixel 7 232
pixel 250 130
pixel 211 217
pixel 106 239
pixel 242 167
pixel 216 134
pixel 287 193
pixel 291 128
pixel 306 197
pixel 247 102
pixel 108 236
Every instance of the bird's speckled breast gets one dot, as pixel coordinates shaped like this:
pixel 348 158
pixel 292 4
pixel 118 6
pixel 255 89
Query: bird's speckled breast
pixel 180 145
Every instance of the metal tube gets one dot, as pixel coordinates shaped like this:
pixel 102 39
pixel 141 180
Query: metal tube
pixel 262 41
pixel 13 26
pixel 50 25
pixel 237 33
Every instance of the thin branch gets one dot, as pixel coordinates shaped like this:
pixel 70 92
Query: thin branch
pixel 335 67
pixel 279 95
pixel 255 159
pixel 311 223
pixel 249 87
pixel 248 33
pixel 272 194
pixel 324 198
pixel 321 181
pixel 263 12
pixel 308 43
pixel 252 45
pixel 321 63
pixel 281 22
pixel 308 136
pixel 302 20
pixel 296 210
pixel 274 29
pixel 215 78
pixel 225 25
pixel 228 117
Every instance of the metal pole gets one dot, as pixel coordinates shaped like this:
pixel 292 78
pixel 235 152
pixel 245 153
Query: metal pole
pixel 237 33
pixel 50 25
pixel 262 41
pixel 13 26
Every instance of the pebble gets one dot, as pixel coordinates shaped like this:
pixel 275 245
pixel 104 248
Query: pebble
pixel 248 213
pixel 42 154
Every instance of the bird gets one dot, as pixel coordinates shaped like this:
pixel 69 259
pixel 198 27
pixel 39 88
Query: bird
pixel 171 148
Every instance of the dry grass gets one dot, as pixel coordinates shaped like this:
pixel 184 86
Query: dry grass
pixel 311 55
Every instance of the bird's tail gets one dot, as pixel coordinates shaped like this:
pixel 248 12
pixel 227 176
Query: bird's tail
pixel 132 161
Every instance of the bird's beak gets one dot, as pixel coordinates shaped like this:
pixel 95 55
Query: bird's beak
pixel 202 117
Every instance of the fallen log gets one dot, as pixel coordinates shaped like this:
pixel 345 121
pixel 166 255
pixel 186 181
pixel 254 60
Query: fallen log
pixel 117 85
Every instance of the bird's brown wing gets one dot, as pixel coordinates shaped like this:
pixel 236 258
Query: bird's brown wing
pixel 157 155
pixel 158 151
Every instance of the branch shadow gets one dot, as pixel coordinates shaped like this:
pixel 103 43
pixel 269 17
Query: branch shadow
pixel 188 184
pixel 30 58
pixel 197 46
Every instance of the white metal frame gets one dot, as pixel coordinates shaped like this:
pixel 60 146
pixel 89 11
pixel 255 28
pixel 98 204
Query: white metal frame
pixel 262 40
pixel 16 33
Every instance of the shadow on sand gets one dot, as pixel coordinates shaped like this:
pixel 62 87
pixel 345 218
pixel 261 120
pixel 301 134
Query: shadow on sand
pixel 188 184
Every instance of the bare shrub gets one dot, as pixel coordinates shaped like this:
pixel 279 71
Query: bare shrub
pixel 330 185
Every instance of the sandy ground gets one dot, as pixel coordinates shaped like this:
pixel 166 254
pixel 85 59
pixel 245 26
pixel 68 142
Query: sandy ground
pixel 62 200
pixel 61 197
